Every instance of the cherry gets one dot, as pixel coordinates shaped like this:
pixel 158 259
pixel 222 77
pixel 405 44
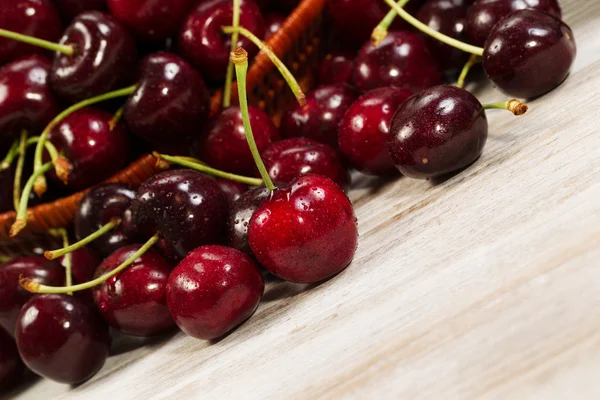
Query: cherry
pixel 62 339
pixel 187 208
pixel 288 159
pixel 305 232
pixel 239 217
pixel 11 366
pixel 202 42
pixel 402 59
pixel 223 144
pixel 7 178
pixel 134 301
pixel 231 189
pixel 484 14
pixel 213 290
pixel 273 22
pixel 170 103
pixel 97 208
pixel 83 264
pixel 13 296
pixel 151 19
pixel 529 53
pixel 72 8
pixel 336 67
pixel 365 130
pixel 318 119
pixel 38 18
pixel 95 151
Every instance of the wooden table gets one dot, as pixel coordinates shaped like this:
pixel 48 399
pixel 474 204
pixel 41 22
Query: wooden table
pixel 486 285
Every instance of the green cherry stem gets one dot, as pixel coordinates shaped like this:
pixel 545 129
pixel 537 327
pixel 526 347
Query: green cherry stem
pixel 19 170
pixel 68 262
pixel 116 118
pixel 514 106
pixel 465 71
pixel 10 156
pixel 381 30
pixel 54 254
pixel 35 287
pixel 160 158
pixel 240 58
pixel 433 33
pixel 283 70
pixel 61 48
pixel 234 42
pixel 56 158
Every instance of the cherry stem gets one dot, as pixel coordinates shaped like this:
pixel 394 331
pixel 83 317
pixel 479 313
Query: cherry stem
pixel 40 185
pixel 54 254
pixel 61 48
pixel 19 170
pixel 433 33
pixel 204 168
pixel 514 106
pixel 35 287
pixel 115 119
pixel 234 43
pixel 10 156
pixel 240 58
pixel 460 83
pixel 381 30
pixel 62 232
pixel 283 70
pixel 21 220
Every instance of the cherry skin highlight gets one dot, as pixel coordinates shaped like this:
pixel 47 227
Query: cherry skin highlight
pixel 336 67
pixel 306 232
pixel 213 290
pixel 529 53
pixel 273 22
pixel 11 366
pixel 437 131
pixel 239 217
pixel 61 338
pixel 318 119
pixel 365 129
pixel 134 301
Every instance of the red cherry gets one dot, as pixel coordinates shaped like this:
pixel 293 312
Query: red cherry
pixel 11 366
pixel 213 290
pixel 231 189
pixel 273 22
pixel 336 67
pixel 83 264
pixel 239 217
pixel 72 8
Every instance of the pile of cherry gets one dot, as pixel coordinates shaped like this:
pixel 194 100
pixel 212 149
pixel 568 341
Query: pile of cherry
pixel 187 249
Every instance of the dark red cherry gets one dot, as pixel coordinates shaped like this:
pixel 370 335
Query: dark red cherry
pixel 288 159
pixel 448 17
pixel 529 53
pixel 134 301
pixel 37 18
pixel 188 209
pixel 239 217
pixel 202 41
pixel 104 58
pixel 11 366
pixel 171 102
pixel 223 144
pixel 101 204
pixel 27 102
pixel 273 22
pixel 305 232
pixel 436 131
pixel 231 189
pixel 72 8
pixel 151 19
pixel 12 295
pixel 365 130
pixel 95 151
pixel 402 59
pixel 484 14
pixel 213 290
pixel 318 119
pixel 61 338
pixel 7 178
pixel 336 67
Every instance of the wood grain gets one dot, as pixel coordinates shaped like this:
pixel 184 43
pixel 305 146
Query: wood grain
pixel 485 285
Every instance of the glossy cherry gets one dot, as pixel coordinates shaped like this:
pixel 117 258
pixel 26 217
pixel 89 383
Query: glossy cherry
pixel 437 131
pixel 336 67
pixel 188 209
pixel 402 59
pixel 213 290
pixel 12 295
pixel 95 151
pixel 305 232
pixel 171 102
pixel 365 130
pixel 318 119
pixel 529 53
pixel 134 301
pixel 484 14
pixel 83 264
pixel 286 160
pixel 273 22
pixel 11 366
pixel 104 59
pixel 231 189
pixel 202 41
pixel 37 18
pixel 61 338
pixel 72 8
pixel 223 144
pixel 239 217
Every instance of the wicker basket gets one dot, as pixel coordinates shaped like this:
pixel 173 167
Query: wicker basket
pixel 296 43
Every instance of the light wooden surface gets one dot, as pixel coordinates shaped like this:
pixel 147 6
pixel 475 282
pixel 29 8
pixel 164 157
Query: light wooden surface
pixel 486 285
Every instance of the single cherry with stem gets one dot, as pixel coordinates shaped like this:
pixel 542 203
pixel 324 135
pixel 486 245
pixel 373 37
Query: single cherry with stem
pixel 11 366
